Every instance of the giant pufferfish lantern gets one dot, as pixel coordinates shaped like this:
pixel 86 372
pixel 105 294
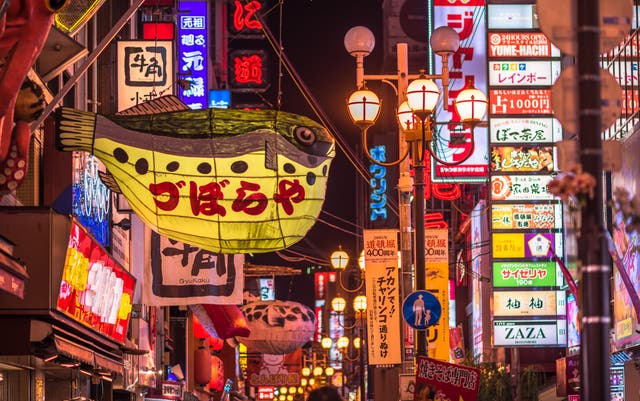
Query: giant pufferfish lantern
pixel 229 181
pixel 277 327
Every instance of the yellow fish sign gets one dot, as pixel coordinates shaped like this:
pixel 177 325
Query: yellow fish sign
pixel 229 181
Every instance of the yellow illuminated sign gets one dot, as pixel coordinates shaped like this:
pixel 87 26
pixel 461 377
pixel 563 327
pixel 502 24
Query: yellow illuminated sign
pixel 508 245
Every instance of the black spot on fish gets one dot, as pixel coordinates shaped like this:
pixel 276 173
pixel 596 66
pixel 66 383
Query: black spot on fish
pixel 121 155
pixel 173 166
pixel 142 166
pixel 324 170
pixel 239 167
pixel 204 168
pixel 312 159
pixel 311 178
pixel 288 168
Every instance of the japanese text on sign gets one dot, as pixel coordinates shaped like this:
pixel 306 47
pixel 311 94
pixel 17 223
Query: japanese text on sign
pixel 519 44
pixel 520 101
pixel 192 54
pixel 378 185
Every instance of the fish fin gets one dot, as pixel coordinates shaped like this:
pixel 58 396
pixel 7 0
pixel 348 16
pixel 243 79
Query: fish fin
pixel 159 105
pixel 110 182
pixel 270 154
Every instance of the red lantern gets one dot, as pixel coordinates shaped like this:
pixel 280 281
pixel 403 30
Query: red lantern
pixel 202 365
pixel 217 374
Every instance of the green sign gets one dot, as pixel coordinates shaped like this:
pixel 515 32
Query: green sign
pixel 526 274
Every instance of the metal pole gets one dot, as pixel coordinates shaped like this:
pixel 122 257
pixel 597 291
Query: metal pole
pixel 419 267
pixel 362 328
pixel 595 267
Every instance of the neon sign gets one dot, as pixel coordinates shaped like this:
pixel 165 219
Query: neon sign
pixel 378 185
pixel 91 198
pixel 192 54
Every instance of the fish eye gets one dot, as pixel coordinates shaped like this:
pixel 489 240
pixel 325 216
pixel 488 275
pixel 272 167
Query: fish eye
pixel 305 135
pixel 55 5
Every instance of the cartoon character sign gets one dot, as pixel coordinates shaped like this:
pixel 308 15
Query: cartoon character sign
pixel 24 26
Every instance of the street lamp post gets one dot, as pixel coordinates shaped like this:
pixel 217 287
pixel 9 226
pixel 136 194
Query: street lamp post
pixel 417 102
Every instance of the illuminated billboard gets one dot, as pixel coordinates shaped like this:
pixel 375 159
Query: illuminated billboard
pixel 523 72
pixel 520 101
pixel 529 333
pixel 516 159
pixel 192 54
pixel 526 274
pixel 520 187
pixel 524 130
pixel 525 245
pixel 526 216
pixel 95 290
pixel 529 303
pixel 521 45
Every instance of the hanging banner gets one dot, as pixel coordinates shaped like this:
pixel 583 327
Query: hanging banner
pixel 469 64
pixel 445 381
pixel 437 281
pixel 383 296
pixel 182 274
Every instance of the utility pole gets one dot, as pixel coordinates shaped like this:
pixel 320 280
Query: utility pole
pixel 595 267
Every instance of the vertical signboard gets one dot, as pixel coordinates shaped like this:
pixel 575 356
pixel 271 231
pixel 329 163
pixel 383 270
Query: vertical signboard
pixel 523 65
pixel 468 64
pixel 383 296
pixel 437 282
pixel 192 57
pixel 145 71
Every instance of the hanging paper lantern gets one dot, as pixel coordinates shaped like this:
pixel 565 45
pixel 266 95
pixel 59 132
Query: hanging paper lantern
pixel 278 327
pixel 224 180
pixel 217 374
pixel 221 321
pixel 202 365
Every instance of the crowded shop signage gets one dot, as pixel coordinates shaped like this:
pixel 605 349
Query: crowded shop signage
pixel 520 187
pixel 526 274
pixel 526 216
pixel 249 70
pixel 516 159
pixel 523 73
pixel 529 333
pixel 467 65
pixel 95 290
pixel 529 303
pixel 192 54
pixel 145 71
pixel 525 245
pixel 512 16
pixel 520 101
pixel 524 130
pixel 183 274
pixel 382 291
pixel 378 185
pixel 521 45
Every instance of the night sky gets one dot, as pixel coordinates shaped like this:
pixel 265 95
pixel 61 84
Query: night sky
pixel 312 36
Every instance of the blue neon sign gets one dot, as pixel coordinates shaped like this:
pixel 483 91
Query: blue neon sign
pixel 192 54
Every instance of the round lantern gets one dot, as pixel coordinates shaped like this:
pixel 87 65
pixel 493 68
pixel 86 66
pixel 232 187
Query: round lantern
pixel 202 365
pixel 278 327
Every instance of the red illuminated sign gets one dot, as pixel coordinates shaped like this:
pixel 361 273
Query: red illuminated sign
pixel 248 70
pixel 265 393
pixel 244 16
pixel 519 44
pixel 520 101
pixel 157 30
pixel 95 290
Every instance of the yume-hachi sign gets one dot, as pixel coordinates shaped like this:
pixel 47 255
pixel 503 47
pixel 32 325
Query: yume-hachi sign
pixel 524 130
pixel 526 274
pixel 228 181
pixel 520 101
pixel 520 187
pixel 383 296
pixel 445 381
pixel 529 303
pixel 521 44
pixel 525 245
pixel 529 333
pixel 95 290
pixel 522 159
pixel 526 216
